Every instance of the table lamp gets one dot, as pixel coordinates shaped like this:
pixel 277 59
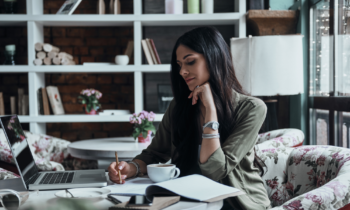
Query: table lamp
pixel 269 66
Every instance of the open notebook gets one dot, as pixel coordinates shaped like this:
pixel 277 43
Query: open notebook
pixel 193 187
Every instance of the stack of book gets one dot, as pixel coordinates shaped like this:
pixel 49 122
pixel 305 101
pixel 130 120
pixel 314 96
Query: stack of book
pixel 22 103
pixel 50 93
pixel 150 51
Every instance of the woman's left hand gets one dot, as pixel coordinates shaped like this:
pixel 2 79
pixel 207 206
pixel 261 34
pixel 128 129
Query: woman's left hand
pixel 204 93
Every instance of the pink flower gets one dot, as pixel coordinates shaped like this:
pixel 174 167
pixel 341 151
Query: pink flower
pixel 272 150
pixel 289 186
pixel 131 119
pixel 294 205
pixel 339 189
pixel 337 156
pixel 140 121
pixel 272 183
pixel 142 116
pixel 321 195
pixel 92 91
pixel 88 94
pixel 320 160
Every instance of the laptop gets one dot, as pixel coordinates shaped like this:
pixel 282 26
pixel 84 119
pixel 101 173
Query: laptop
pixel 32 178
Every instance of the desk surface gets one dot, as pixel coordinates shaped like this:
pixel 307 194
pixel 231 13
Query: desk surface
pixel 43 199
pixel 104 149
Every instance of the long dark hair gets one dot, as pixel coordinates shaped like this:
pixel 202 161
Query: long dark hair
pixel 185 125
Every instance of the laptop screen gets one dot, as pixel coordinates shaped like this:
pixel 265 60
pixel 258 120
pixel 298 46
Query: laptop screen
pixel 19 145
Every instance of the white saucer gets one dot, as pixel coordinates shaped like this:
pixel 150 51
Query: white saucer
pixel 83 193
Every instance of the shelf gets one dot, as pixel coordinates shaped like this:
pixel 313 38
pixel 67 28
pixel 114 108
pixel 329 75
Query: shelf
pixel 124 20
pixel 86 69
pixel 13 20
pixel 78 118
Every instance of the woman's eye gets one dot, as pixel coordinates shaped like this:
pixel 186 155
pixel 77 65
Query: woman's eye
pixel 191 63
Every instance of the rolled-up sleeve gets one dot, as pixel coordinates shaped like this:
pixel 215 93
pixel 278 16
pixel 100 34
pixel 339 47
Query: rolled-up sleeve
pixel 160 148
pixel 241 141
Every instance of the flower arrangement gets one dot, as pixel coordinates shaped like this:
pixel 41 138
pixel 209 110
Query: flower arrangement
pixel 89 97
pixel 143 124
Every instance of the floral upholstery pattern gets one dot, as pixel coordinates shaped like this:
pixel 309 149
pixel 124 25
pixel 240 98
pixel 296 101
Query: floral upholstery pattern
pixel 4 174
pixel 305 177
pixel 50 154
pixel 289 137
pixel 48 151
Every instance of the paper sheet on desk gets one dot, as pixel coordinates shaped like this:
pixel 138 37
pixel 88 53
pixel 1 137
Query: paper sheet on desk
pixel 137 185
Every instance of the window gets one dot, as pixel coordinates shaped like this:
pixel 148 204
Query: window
pixel 329 72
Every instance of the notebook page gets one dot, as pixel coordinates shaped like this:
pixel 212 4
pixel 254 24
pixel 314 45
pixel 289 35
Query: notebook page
pixel 195 187
pixel 137 185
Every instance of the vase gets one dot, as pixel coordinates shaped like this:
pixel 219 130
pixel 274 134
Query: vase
pixel 122 60
pixel 92 111
pixel 145 140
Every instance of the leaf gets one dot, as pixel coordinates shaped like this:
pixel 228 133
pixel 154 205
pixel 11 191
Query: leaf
pixel 291 161
pixel 297 189
pixel 290 192
pixel 144 134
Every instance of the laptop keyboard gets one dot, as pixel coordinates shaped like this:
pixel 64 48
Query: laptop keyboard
pixel 56 178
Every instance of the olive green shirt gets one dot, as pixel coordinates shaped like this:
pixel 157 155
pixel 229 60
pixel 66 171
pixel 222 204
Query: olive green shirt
pixel 232 163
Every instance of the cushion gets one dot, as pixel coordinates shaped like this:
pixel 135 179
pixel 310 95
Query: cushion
pixel 48 151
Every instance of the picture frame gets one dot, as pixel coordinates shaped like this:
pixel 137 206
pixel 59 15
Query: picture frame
pixel 68 7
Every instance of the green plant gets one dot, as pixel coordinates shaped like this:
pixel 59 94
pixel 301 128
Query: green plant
pixel 90 97
pixel 143 123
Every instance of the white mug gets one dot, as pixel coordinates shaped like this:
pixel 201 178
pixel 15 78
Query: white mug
pixel 122 59
pixel 162 172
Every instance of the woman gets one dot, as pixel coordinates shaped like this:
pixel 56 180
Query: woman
pixel 206 90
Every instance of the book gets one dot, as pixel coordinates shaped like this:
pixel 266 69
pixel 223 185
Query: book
pixel 2 106
pixel 25 105
pixel 40 101
pixel 55 100
pixel 13 104
pixel 129 49
pixel 202 188
pixel 45 102
pixel 68 7
pixel 155 51
pixel 149 45
pixel 20 100
pixel 147 52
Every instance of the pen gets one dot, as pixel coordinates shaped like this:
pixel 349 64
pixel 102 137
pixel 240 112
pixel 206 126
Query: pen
pixel 117 161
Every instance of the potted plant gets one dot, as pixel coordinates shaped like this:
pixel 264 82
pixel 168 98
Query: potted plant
pixel 89 98
pixel 143 126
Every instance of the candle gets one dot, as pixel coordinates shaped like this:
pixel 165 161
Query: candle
pixel 173 6
pixel 193 6
pixel 208 6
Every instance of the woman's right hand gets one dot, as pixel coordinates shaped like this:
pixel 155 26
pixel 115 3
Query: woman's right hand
pixel 124 169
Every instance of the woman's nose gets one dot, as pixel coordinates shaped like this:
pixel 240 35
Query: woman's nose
pixel 183 72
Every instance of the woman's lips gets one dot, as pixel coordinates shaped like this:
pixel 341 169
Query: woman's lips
pixel 189 80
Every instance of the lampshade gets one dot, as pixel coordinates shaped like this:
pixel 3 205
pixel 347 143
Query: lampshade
pixel 269 65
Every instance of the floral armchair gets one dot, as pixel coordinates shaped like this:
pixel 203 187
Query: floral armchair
pixel 50 154
pixel 304 177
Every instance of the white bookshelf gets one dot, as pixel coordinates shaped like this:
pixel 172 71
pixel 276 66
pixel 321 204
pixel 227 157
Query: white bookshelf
pixel 35 21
